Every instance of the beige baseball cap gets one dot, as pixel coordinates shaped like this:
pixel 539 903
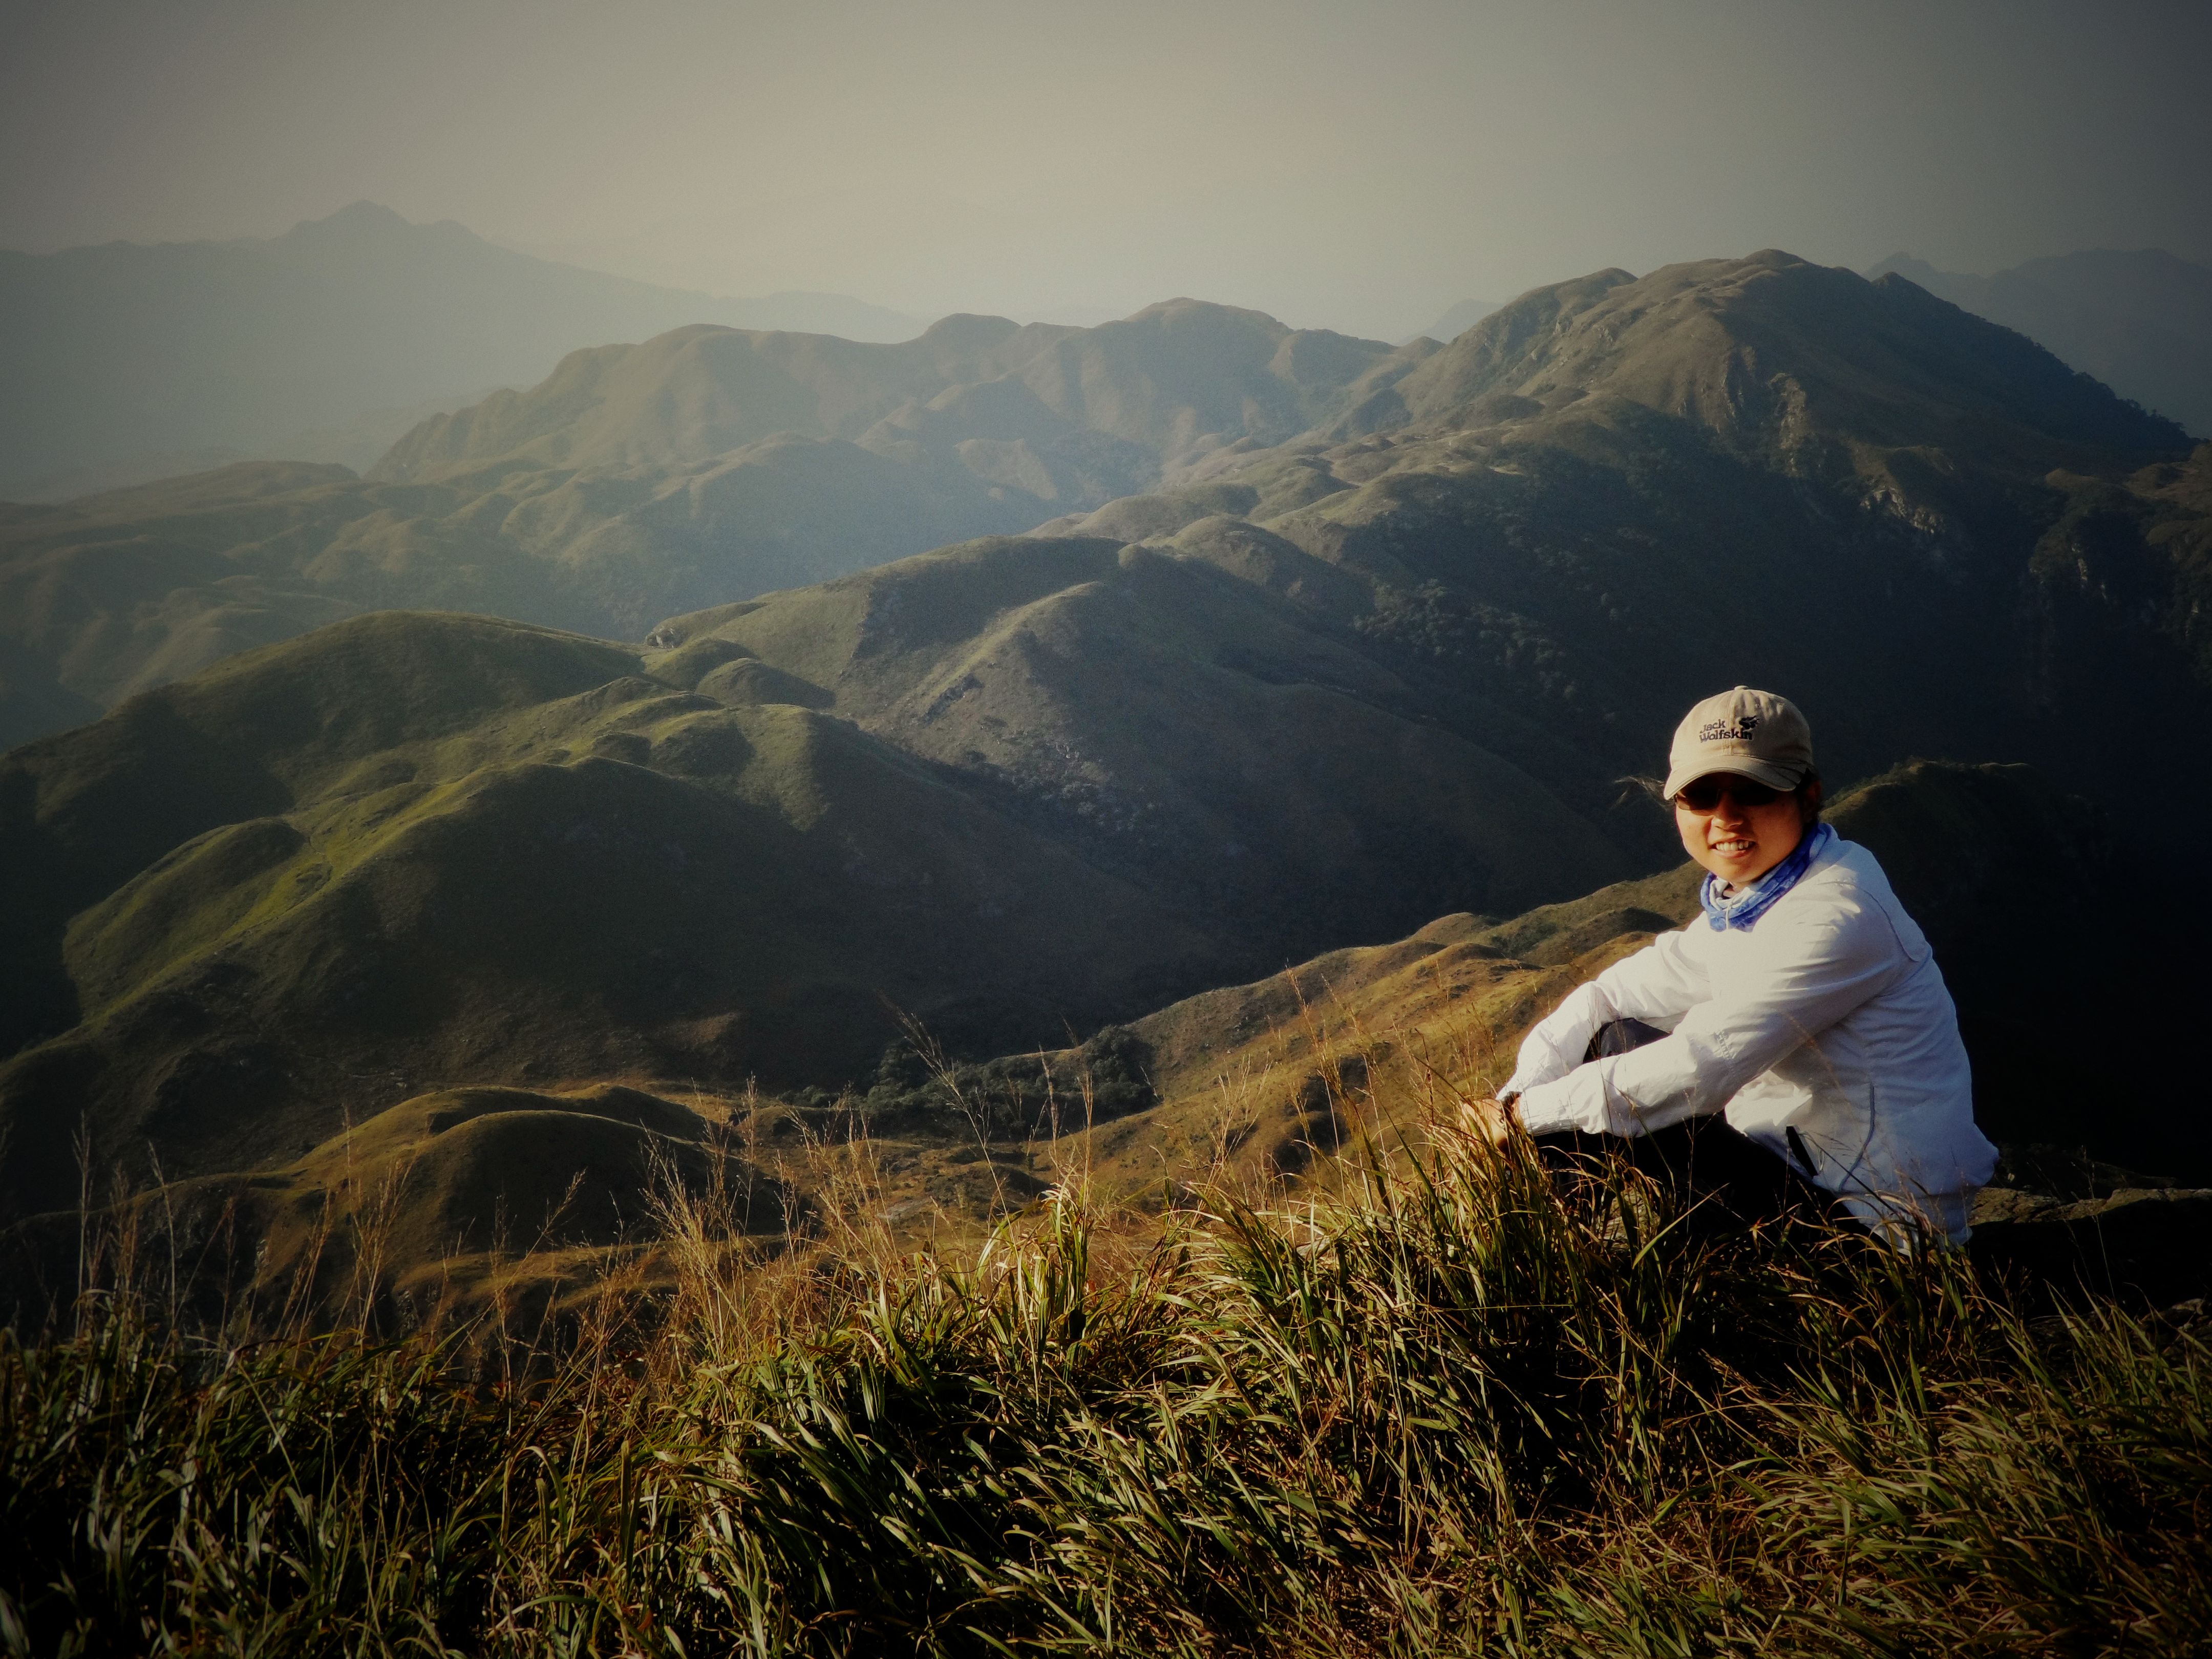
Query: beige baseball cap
pixel 1752 733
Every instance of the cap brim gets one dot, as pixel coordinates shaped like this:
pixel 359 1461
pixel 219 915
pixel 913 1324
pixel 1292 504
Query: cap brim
pixel 1775 774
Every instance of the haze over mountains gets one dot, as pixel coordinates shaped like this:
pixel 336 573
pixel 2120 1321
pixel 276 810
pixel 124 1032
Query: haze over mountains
pixel 703 465
pixel 1311 640
pixel 2139 321
pixel 128 361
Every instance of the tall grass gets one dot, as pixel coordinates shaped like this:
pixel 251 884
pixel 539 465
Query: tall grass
pixel 1464 1404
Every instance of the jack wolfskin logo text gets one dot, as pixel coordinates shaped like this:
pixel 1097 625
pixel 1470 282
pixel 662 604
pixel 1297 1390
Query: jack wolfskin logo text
pixel 1735 731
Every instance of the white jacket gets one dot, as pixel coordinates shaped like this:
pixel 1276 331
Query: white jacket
pixel 1827 1016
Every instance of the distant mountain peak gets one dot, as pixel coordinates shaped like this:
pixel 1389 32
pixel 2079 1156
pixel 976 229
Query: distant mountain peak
pixel 969 330
pixel 123 358
pixel 355 218
pixel 1454 322
pixel 1912 269
pixel 2139 320
pixel 1770 349
pixel 1183 309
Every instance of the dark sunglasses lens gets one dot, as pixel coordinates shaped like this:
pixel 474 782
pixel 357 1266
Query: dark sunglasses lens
pixel 1705 794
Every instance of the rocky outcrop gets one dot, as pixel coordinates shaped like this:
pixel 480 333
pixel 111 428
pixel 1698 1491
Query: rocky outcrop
pixel 2096 1227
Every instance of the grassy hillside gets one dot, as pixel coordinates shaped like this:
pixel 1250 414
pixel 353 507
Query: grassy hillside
pixel 441 1207
pixel 620 1375
pixel 447 849
pixel 1185 727
pixel 1993 862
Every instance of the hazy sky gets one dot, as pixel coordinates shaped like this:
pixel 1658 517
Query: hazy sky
pixel 1355 166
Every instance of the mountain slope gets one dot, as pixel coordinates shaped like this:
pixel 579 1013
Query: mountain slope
pixel 706 465
pixel 2139 321
pixel 453 848
pixel 1457 319
pixel 1584 514
pixel 1616 493
pixel 110 353
pixel 1182 725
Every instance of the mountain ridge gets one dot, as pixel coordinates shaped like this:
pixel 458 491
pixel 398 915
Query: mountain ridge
pixel 705 465
pixel 2139 320
pixel 1505 496
pixel 136 349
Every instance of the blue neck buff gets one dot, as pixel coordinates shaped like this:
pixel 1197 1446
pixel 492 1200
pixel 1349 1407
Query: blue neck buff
pixel 1754 901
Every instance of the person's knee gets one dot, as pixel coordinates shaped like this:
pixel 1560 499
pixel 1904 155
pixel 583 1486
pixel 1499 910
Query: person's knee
pixel 1618 1036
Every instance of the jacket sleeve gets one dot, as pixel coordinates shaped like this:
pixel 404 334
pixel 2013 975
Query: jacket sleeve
pixel 1659 984
pixel 1809 964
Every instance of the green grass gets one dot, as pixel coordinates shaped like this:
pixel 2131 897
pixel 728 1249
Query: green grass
pixel 1467 1407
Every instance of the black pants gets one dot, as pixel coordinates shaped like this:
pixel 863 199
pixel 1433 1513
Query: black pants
pixel 1729 1177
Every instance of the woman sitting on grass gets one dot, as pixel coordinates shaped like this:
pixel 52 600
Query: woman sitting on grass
pixel 1804 1009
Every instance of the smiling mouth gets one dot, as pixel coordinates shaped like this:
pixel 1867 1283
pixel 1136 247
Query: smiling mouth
pixel 1733 847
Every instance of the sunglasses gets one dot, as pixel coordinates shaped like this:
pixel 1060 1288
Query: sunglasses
pixel 1707 793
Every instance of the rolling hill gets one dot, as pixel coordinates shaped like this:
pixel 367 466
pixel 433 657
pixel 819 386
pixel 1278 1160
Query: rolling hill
pixel 280 891
pixel 128 358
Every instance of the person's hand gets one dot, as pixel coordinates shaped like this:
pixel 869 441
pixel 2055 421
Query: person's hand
pixel 1488 1120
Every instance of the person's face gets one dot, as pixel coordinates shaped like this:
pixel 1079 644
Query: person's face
pixel 1735 827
